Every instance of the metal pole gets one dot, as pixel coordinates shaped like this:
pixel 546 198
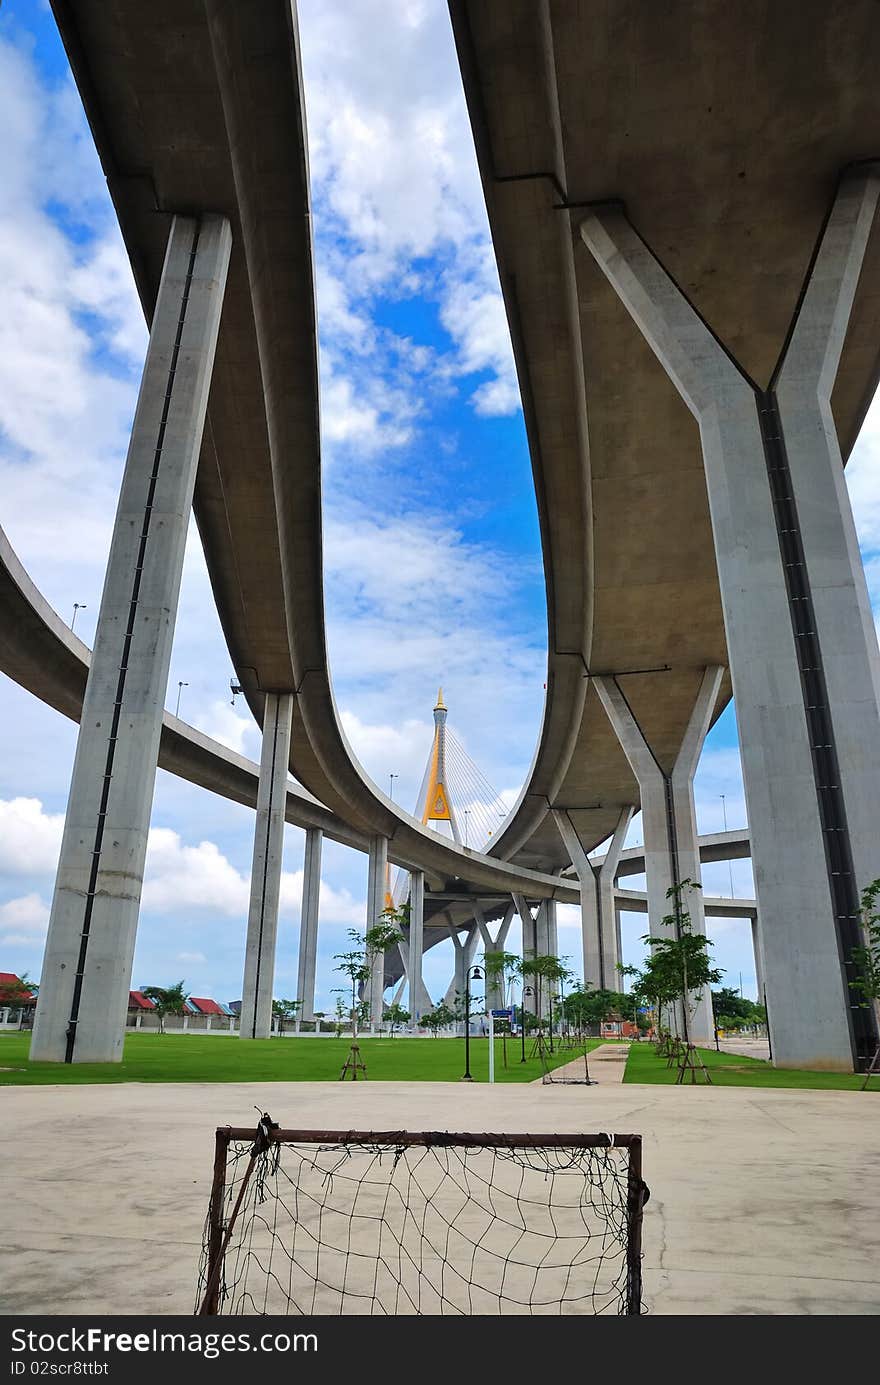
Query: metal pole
pixel 729 862
pixel 467 1027
pixel 180 688
pixel 635 1201
pixel 491 1045
pixel 215 1221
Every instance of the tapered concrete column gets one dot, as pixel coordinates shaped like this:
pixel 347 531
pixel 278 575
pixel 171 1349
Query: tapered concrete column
pixel 416 947
pixel 495 988
pixel 308 924
pixel 376 882
pixel 757 949
pixel 86 973
pixel 672 848
pixel 262 931
pixel 529 946
pixel 802 648
pixel 464 957
pixel 600 924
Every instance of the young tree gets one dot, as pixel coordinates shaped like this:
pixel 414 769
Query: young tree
pixel 679 964
pixel 503 966
pixel 866 959
pixel 340 1018
pixel 285 1010
pixel 441 1017
pixel 395 1014
pixel 18 992
pixel 383 934
pixel 354 965
pixel 167 1000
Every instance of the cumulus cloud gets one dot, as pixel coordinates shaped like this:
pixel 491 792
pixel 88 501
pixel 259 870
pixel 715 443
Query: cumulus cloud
pixel 71 334
pixel 30 839
pixel 23 921
pixel 396 186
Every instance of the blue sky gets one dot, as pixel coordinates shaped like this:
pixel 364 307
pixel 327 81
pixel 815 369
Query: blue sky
pixel 433 566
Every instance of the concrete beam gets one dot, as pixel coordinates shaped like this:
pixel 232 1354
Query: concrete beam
pixel 308 925
pixel 416 943
pixel 377 873
pixel 87 965
pixel 262 928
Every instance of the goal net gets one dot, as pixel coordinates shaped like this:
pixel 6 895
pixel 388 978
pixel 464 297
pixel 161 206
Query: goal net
pixel 305 1222
pixel 574 1073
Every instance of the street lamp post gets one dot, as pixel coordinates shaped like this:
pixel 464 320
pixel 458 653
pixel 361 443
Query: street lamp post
pixel 527 990
pixel 392 778
pixel 77 607
pixel 477 975
pixel 180 688
pixel 723 798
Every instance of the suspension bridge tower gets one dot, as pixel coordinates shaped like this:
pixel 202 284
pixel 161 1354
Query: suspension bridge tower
pixel 435 798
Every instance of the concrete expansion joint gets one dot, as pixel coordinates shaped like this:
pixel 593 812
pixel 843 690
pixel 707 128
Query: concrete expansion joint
pixel 299 687
pixel 607 204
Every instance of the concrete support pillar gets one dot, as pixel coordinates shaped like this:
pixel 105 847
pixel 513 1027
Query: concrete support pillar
pixel 802 648
pixel 759 958
pixel 672 848
pixel 80 1015
pixel 600 921
pixel 529 947
pixel 464 958
pixel 308 924
pixel 416 1004
pixel 376 883
pixel 262 929
pixel 495 985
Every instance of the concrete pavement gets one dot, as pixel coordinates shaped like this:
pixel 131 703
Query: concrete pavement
pixel 761 1202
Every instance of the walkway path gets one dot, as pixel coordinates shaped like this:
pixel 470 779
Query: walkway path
pixel 606 1066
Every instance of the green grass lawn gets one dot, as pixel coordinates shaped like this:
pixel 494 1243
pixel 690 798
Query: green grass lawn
pixel 732 1070
pixel 203 1058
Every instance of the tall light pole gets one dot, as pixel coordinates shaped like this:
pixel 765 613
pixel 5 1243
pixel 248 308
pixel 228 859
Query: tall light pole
pixel 477 975
pixel 180 688
pixel 729 862
pixel 392 778
pixel 467 813
pixel 77 606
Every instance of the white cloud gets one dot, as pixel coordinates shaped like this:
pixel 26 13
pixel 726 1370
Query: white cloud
pixel 224 724
pixel 30 839
pixel 27 918
pixel 396 185
pixel 191 957
pixel 71 334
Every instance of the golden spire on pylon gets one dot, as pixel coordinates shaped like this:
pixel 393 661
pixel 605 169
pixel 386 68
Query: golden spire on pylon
pixel 437 806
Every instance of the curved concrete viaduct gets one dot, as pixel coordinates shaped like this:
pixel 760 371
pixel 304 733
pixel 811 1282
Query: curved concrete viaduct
pixel 197 114
pixel 682 201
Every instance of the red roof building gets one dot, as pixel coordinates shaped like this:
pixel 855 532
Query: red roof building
pixel 10 984
pixel 206 1007
pixel 138 1001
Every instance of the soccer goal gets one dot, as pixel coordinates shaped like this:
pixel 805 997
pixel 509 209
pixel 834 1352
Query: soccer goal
pixel 574 1073
pixel 304 1222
